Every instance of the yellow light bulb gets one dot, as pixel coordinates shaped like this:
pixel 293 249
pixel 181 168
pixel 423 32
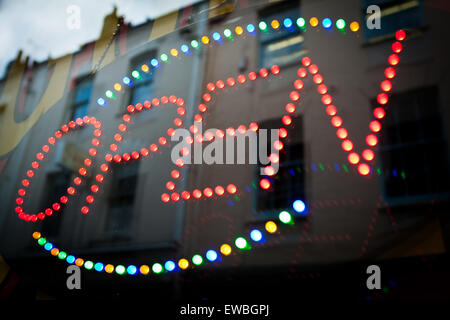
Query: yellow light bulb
pixel 354 26
pixel 314 21
pixel 109 268
pixel 275 24
pixel 271 226
pixel 79 262
pixel 225 249
pixel 205 39
pixel 117 86
pixel 144 269
pixel 183 263
pixel 36 235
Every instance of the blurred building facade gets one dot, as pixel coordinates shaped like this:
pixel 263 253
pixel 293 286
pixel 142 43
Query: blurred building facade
pixel 399 210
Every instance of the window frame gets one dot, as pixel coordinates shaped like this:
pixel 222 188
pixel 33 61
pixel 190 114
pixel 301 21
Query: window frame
pixel 385 4
pixel 422 197
pixel 135 64
pixel 74 104
pixel 265 214
pixel 267 13
pixel 111 198
pixel 56 222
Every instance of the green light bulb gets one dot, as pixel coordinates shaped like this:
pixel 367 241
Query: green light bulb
pixel 164 57
pixel 135 74
pixel 110 94
pixel 62 255
pixel 340 24
pixel 120 269
pixel 262 25
pixel 301 22
pixel 227 33
pixel 194 44
pixel 197 259
pixel 285 217
pixel 240 242
pixel 157 268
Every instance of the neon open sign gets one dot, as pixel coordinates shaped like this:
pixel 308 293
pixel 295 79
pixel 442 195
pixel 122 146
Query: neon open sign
pixel 360 160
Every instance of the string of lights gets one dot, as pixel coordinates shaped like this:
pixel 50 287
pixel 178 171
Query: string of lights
pixel 241 243
pixel 255 235
pixel 379 112
pixel 219 37
pixel 83 172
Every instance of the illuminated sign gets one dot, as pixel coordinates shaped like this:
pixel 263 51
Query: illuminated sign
pixel 240 242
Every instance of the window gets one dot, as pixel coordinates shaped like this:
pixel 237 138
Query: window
pixel 143 86
pixel 26 101
pixel 395 14
pixel 83 91
pixel 121 198
pixel 412 145
pixel 284 46
pixel 288 184
pixel 57 183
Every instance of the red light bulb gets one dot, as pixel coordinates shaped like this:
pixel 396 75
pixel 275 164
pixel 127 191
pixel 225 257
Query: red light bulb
pixel 265 184
pixel 368 155
pixel 379 113
pixel 363 169
pixel 400 35
pixel 386 85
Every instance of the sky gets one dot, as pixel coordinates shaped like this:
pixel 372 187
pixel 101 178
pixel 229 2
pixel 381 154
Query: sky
pixel 41 27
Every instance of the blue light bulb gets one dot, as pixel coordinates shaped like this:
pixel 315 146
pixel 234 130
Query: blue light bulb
pixel 256 235
pixel 154 63
pixel 169 265
pixel 211 255
pixel 98 266
pixel 131 269
pixel 126 80
pixel 184 48
pixel 101 101
pixel 299 206
pixel 327 23
pixel 287 23
pixel 216 36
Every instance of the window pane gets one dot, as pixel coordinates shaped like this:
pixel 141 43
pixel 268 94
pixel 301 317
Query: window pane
pixel 414 149
pixel 283 46
pixel 122 196
pixel 83 91
pixel 404 14
pixel 281 52
pixel 280 15
pixel 80 111
pixel 288 185
pixel 56 185
pixel 120 217
pixel 141 92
